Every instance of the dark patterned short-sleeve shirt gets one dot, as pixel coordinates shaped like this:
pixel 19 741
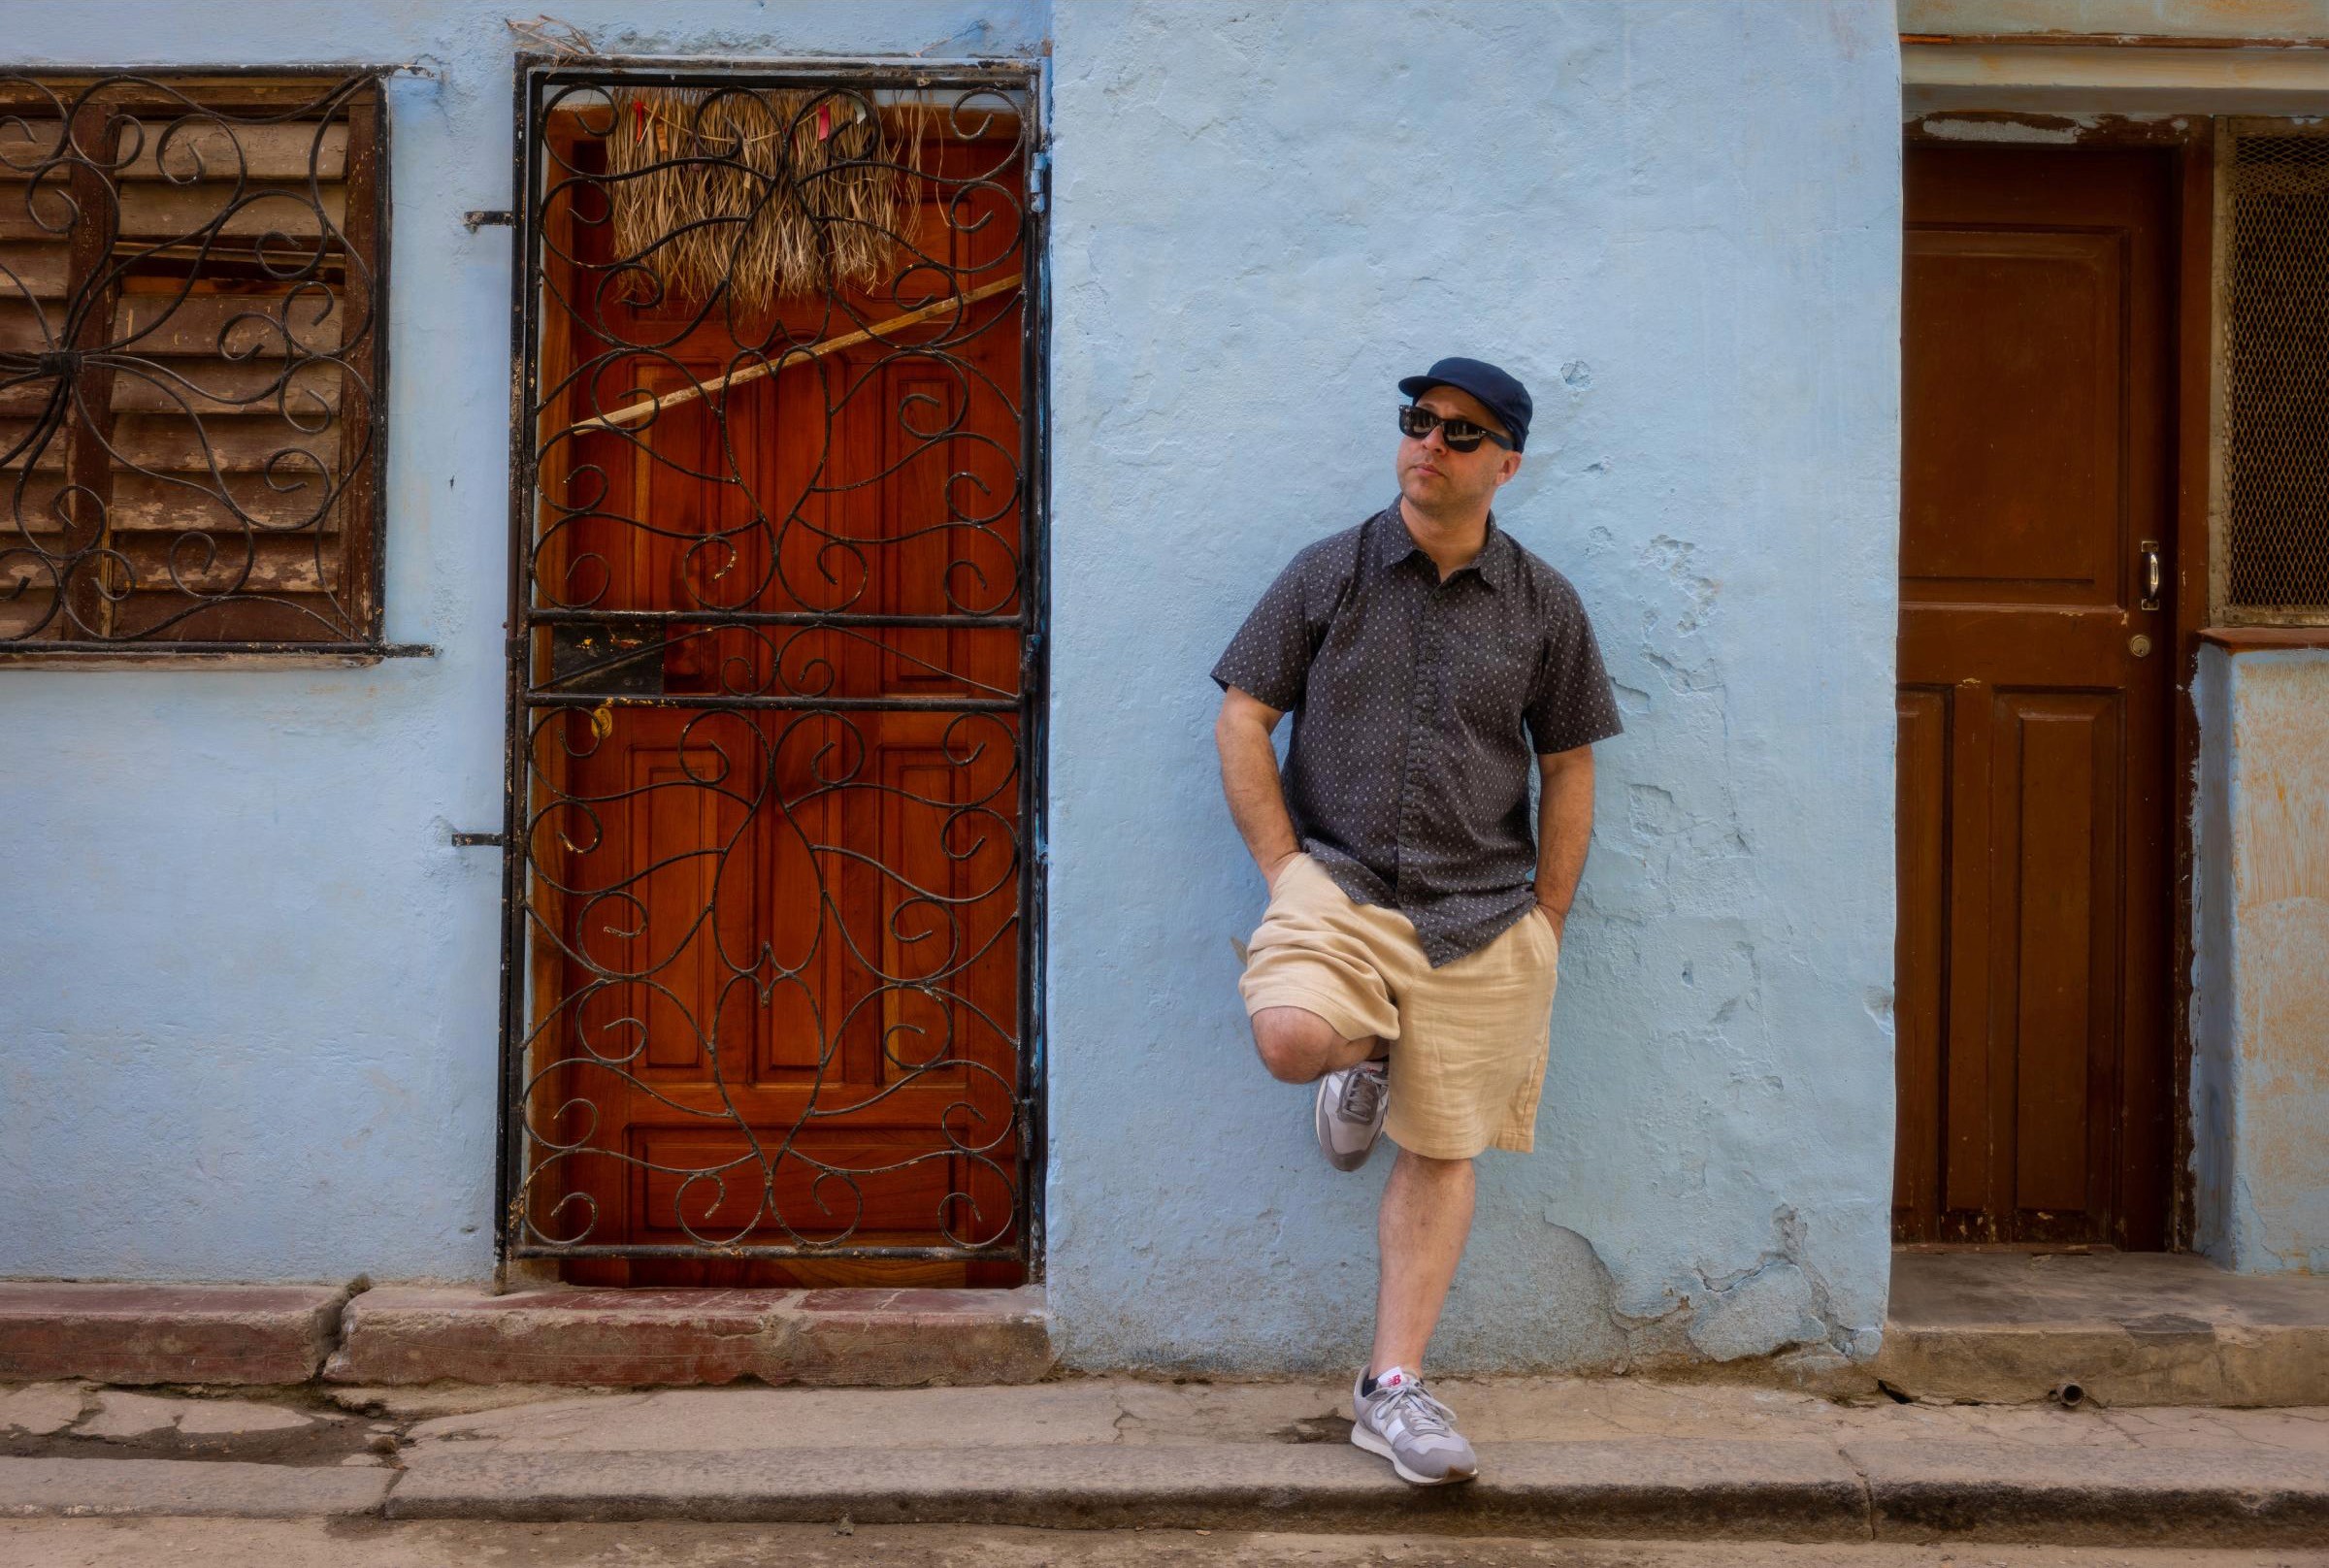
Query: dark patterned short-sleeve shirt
pixel 1418 707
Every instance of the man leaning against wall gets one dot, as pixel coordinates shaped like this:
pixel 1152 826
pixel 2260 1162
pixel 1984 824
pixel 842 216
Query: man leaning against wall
pixel 1406 960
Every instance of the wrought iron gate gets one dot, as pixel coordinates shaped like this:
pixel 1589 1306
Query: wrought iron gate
pixel 772 894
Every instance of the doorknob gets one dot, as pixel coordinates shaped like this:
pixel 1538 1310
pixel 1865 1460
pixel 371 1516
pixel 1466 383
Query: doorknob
pixel 2149 549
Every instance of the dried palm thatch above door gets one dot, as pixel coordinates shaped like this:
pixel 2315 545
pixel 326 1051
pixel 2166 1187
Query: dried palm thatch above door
pixel 771 192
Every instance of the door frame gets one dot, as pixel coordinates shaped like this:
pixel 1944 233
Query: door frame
pixel 516 1259
pixel 2189 143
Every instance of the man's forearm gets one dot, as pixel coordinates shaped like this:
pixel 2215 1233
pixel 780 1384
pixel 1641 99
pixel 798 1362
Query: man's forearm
pixel 1564 831
pixel 1249 779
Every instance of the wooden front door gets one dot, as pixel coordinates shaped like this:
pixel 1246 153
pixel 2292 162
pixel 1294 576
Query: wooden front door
pixel 773 853
pixel 2034 685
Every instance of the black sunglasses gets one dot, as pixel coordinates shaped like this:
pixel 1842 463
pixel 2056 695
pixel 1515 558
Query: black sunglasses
pixel 1460 435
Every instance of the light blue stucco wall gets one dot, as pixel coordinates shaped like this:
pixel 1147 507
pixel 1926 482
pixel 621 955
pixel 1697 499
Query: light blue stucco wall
pixel 252 986
pixel 1680 225
pixel 2260 1013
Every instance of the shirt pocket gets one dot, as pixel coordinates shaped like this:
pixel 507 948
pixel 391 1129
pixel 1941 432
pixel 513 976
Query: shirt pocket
pixel 1491 681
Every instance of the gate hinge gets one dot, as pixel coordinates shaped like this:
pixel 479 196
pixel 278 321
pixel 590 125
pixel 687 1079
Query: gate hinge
pixel 479 840
pixel 477 217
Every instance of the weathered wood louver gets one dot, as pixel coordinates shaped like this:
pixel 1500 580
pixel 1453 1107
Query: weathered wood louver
pixel 190 347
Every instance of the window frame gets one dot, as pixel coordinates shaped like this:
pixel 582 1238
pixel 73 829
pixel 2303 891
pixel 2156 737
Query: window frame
pixel 2222 612
pixel 362 233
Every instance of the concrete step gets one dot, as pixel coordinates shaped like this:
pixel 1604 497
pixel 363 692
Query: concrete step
pixel 858 1338
pixel 1991 1326
pixel 185 1488
pixel 1648 1489
pixel 1572 1457
pixel 1739 1490
pixel 166 1333
pixel 1637 1488
pixel 277 1334
pixel 2120 1329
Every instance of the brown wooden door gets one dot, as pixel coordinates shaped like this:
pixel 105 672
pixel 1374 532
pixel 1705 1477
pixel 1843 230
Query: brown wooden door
pixel 783 990
pixel 2033 747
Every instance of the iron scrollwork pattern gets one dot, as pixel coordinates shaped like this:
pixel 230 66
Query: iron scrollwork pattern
pixel 774 678
pixel 189 363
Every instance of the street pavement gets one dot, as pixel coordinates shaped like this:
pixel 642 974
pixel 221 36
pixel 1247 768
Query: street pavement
pixel 182 1543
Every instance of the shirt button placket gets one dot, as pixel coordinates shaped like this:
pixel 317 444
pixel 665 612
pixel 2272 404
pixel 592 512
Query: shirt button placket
pixel 1419 728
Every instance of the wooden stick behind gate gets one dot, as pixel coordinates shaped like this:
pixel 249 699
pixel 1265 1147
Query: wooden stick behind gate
pixel 636 412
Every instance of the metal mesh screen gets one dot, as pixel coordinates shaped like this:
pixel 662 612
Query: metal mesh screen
pixel 2276 451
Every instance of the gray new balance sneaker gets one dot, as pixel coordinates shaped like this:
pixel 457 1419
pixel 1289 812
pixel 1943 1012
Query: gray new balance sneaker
pixel 1351 1105
pixel 1410 1429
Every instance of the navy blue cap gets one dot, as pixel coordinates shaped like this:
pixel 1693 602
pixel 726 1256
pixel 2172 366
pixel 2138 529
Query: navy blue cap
pixel 1499 393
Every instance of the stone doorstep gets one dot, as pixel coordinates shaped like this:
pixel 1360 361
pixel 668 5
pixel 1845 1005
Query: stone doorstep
pixel 2223 1366
pixel 229 1334
pixel 2130 1328
pixel 569 1334
pixel 166 1333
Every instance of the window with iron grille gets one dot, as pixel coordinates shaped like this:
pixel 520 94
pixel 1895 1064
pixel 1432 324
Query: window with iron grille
pixel 2272 540
pixel 191 348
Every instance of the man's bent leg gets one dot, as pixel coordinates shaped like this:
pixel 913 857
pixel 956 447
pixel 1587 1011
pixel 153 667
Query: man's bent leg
pixel 1299 1047
pixel 1426 1217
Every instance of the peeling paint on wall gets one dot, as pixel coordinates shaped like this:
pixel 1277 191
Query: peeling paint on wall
pixel 1693 265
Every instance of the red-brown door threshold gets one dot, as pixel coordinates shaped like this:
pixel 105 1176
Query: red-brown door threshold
pixel 577 1334
pixel 123 1334
pixel 166 1333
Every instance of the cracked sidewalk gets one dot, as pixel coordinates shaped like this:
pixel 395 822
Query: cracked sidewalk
pixel 1561 1455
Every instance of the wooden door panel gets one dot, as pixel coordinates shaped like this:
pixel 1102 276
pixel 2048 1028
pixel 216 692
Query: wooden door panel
pixel 797 929
pixel 1923 875
pixel 830 1100
pixel 2059 829
pixel 2035 460
pixel 697 899
pixel 875 1186
pixel 1946 644
pixel 2032 834
pixel 914 581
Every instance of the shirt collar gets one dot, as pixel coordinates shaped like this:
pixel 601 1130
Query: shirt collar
pixel 1394 544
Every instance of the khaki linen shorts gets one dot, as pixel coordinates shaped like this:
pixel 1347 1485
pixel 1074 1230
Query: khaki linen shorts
pixel 1468 1039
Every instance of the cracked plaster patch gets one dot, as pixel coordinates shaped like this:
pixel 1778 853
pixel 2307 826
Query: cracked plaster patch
pixel 1766 1312
pixel 1771 1307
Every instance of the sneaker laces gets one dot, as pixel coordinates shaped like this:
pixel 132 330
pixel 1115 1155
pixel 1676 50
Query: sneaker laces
pixel 1424 1416
pixel 1361 1093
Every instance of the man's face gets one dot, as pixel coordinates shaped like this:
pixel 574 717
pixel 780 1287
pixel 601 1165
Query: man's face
pixel 1437 479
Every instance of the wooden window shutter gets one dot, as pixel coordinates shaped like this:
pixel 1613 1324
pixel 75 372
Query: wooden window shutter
pixel 191 348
